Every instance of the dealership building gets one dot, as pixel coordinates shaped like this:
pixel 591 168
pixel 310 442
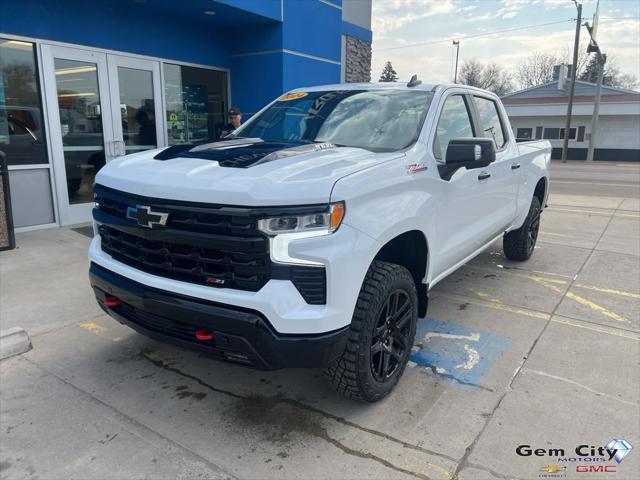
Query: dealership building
pixel 540 113
pixel 82 83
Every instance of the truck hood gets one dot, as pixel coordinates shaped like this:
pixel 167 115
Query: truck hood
pixel 247 172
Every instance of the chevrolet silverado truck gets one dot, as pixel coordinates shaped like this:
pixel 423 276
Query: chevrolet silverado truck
pixel 310 237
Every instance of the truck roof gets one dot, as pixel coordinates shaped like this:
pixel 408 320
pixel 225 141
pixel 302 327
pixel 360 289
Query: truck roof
pixel 384 86
pixel 367 86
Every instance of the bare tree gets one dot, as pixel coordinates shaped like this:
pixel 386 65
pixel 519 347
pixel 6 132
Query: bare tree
pixel 489 76
pixel 537 68
pixel 613 77
pixel 625 80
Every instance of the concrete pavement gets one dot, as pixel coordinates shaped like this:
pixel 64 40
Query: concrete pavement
pixel 543 353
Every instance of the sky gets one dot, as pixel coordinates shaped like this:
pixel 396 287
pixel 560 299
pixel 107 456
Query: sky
pixel 400 23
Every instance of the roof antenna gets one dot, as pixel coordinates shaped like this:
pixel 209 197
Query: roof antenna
pixel 414 82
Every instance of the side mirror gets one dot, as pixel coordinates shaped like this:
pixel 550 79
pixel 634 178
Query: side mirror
pixel 470 153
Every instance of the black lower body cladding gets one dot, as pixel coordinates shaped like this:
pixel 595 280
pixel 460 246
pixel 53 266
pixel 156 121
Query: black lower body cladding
pixel 238 335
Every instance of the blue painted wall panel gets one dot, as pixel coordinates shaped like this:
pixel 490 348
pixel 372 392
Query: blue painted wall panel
pixel 266 8
pixel 255 81
pixel 306 72
pixel 312 27
pixel 181 31
pixel 136 29
pixel 262 38
pixel 356 31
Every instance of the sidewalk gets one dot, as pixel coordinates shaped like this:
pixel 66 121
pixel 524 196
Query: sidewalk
pixel 557 341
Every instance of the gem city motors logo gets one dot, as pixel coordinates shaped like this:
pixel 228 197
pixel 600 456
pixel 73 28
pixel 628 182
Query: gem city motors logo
pixel 589 458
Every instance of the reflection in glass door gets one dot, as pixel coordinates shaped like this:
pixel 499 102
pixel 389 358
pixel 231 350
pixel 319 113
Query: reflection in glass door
pixel 79 108
pixel 80 125
pixel 100 107
pixel 135 94
pixel 136 109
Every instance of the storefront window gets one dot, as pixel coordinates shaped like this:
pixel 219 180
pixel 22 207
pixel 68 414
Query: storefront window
pixel 195 102
pixel 21 124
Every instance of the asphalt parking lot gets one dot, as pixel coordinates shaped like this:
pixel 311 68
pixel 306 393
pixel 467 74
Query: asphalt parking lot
pixel 543 353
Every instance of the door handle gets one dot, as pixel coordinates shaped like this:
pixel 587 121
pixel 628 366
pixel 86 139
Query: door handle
pixel 483 176
pixel 515 166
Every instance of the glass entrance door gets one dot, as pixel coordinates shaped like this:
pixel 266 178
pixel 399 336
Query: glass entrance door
pixel 136 104
pixel 100 107
pixel 80 125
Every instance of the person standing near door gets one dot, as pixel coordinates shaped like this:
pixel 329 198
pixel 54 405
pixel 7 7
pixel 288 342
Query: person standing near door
pixel 235 120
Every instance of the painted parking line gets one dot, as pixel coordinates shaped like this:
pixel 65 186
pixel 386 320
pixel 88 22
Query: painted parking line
pixel 537 314
pixel 455 351
pixel 551 283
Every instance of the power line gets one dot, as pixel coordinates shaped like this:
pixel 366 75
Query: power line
pixel 474 36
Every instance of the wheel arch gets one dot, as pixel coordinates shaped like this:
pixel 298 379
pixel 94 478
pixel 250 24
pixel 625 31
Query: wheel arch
pixel 540 190
pixel 411 250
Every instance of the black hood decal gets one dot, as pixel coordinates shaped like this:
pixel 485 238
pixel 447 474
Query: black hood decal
pixel 240 152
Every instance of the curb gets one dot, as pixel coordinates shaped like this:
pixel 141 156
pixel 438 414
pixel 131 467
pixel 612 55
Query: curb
pixel 14 341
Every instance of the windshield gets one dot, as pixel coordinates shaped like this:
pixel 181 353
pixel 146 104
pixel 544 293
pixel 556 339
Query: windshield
pixel 377 120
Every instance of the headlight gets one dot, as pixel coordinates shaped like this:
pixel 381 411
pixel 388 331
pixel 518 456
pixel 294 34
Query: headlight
pixel 325 222
pixel 285 229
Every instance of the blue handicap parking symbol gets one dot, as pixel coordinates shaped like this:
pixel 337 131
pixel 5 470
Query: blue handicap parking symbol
pixel 456 351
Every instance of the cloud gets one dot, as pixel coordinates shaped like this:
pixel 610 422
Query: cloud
pixel 394 14
pixel 618 37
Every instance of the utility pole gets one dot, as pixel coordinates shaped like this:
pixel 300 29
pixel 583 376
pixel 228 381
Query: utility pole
pixel 601 61
pixel 572 87
pixel 456 43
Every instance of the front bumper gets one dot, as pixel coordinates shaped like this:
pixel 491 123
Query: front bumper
pixel 346 255
pixel 240 335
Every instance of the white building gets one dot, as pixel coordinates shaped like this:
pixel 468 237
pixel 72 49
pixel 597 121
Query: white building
pixel 540 113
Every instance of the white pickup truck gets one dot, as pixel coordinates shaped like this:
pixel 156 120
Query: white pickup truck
pixel 310 237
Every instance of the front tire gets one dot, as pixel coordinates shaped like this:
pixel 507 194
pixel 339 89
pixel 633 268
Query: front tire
pixel 519 244
pixel 381 335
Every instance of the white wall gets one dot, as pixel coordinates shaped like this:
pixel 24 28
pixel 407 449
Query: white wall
pixel 613 131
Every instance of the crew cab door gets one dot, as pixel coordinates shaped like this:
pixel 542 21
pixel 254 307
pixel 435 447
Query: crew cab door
pixel 502 176
pixel 463 201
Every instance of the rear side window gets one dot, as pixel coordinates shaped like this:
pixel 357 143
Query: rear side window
pixel 491 126
pixel 454 122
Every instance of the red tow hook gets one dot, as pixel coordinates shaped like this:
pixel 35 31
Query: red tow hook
pixel 204 335
pixel 111 301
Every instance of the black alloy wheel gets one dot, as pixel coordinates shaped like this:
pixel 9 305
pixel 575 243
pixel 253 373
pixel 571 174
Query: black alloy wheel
pixel 391 335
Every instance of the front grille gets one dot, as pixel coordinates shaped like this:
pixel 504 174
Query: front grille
pixel 191 219
pixel 189 263
pixel 219 246
pixel 198 244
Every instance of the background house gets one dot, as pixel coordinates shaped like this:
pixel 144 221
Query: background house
pixel 84 82
pixel 540 113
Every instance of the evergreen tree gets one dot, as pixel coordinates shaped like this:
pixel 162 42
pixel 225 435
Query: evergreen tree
pixel 590 72
pixel 388 73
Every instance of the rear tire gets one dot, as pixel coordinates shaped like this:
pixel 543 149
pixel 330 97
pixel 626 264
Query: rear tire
pixel 519 244
pixel 381 335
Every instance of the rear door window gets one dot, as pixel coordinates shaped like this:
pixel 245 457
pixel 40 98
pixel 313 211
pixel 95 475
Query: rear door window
pixel 491 126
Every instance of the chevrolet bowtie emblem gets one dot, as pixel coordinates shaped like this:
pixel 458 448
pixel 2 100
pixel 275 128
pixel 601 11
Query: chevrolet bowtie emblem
pixel 553 468
pixel 146 217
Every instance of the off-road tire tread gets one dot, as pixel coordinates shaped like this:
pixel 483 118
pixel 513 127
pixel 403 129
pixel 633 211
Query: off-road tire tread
pixel 514 243
pixel 343 373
